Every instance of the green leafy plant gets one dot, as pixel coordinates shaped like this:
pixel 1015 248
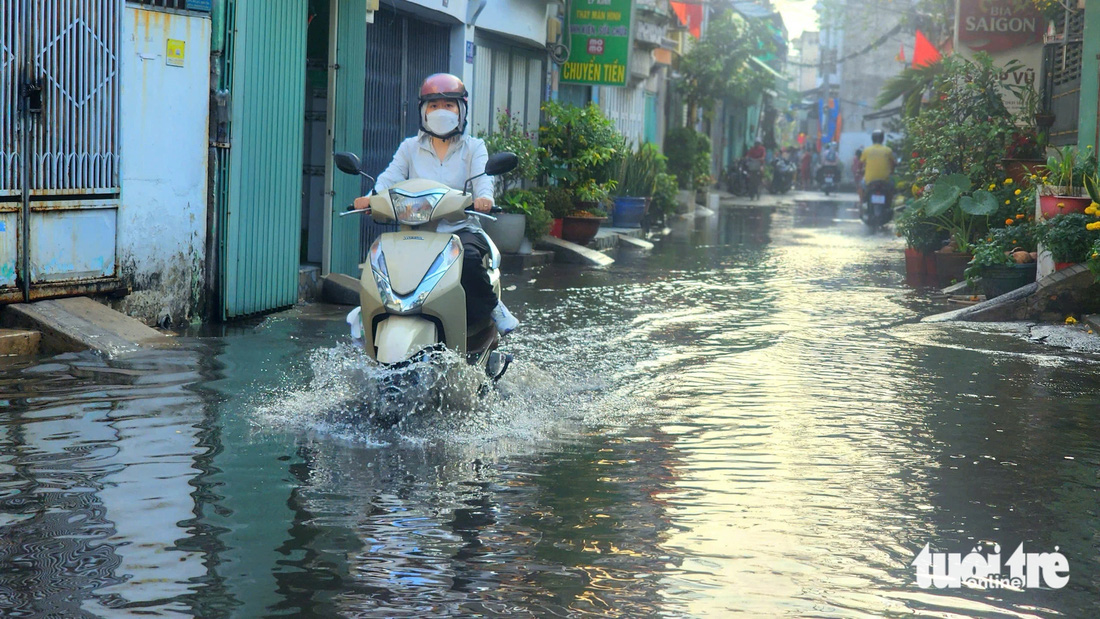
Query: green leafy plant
pixel 955 211
pixel 1068 237
pixel 558 202
pixel 665 194
pixel 1093 261
pixel 1070 170
pixel 579 148
pixel 511 137
pixel 920 231
pixel 529 203
pixel 964 127
pixel 638 171
pixel 999 245
pixel 688 153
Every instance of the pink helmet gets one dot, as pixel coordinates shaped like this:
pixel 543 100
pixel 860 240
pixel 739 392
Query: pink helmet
pixel 444 86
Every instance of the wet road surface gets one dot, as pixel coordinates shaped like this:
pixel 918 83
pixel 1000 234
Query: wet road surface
pixel 748 420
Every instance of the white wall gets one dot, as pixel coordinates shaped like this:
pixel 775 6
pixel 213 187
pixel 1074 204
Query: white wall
pixel 523 19
pixel 162 217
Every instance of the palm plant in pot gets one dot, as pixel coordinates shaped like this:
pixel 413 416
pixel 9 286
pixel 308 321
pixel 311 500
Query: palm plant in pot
pixel 636 184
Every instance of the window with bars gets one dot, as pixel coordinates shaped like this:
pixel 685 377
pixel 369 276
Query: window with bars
pixel 202 6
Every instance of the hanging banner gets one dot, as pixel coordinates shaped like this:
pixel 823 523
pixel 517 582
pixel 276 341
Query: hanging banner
pixel 599 43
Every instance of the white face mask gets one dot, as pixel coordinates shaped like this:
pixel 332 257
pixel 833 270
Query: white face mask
pixel 441 122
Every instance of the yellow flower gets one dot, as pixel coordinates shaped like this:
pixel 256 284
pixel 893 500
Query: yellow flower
pixel 1008 201
pixel 992 186
pixel 1008 181
pixel 1070 320
pixel 1019 215
pixel 1061 205
pixel 1008 222
pixel 1016 193
pixel 1093 226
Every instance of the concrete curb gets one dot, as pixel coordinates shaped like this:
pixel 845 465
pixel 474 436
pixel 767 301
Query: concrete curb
pixel 79 323
pixel 571 253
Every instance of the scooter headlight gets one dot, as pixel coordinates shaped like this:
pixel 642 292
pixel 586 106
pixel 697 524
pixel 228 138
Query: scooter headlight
pixel 413 209
pixel 412 302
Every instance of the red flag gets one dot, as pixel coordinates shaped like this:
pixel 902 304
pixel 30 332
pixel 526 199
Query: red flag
pixel 924 53
pixel 901 54
pixel 691 15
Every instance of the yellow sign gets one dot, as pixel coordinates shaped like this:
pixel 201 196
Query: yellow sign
pixel 174 55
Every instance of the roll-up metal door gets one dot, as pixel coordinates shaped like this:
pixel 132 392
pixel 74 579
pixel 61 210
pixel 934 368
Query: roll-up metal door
pixel 401 52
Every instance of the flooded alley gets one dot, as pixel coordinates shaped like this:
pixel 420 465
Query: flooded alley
pixel 747 420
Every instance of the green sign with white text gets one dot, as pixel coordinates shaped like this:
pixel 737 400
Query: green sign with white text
pixel 599 43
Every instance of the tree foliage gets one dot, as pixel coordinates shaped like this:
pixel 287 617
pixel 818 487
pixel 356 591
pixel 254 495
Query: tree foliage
pixel 718 65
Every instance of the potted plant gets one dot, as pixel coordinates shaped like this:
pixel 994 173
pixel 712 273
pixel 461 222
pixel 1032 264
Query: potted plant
pixel 635 185
pixel 582 224
pixel 953 207
pixel 523 217
pixel 922 238
pixel 1069 238
pixel 688 153
pixel 509 136
pixel 664 201
pixel 1066 178
pixel 1004 260
pixel 559 204
pixel 1024 155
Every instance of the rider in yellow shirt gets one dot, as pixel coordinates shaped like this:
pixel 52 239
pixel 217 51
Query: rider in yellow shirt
pixel 878 159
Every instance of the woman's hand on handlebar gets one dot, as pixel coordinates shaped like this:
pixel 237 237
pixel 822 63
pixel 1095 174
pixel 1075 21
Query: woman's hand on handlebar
pixel 362 204
pixel 483 205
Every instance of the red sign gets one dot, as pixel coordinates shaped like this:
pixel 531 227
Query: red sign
pixel 998 25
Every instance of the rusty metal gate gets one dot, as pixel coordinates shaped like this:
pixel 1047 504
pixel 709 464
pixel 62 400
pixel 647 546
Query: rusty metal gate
pixel 59 147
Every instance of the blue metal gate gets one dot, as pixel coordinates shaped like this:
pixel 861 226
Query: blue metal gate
pixel 59 147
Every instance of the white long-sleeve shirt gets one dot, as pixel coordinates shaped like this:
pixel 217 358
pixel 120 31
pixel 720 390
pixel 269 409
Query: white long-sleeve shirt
pixel 415 158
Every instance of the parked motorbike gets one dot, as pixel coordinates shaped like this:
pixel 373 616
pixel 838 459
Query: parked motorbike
pixel 877 207
pixel 783 173
pixel 828 177
pixel 411 298
pixel 737 178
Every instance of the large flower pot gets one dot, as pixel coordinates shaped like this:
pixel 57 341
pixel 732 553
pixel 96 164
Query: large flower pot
pixel 950 267
pixel 1001 279
pixel 1056 205
pixel 506 231
pixel 920 268
pixel 628 212
pixel 555 228
pixel 1058 266
pixel 580 230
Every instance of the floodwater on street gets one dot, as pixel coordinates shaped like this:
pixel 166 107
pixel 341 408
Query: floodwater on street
pixel 747 420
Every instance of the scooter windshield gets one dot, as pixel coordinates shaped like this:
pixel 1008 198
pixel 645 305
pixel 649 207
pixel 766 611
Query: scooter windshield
pixel 413 209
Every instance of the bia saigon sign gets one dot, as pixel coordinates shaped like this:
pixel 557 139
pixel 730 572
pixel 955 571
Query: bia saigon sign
pixel 599 43
pixel 999 25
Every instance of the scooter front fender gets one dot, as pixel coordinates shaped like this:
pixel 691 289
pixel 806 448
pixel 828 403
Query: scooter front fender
pixel 400 337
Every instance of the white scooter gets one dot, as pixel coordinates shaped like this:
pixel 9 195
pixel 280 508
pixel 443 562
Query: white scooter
pixel 411 298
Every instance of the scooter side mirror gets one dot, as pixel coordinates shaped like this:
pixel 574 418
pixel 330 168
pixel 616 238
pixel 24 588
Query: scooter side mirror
pixel 501 163
pixel 348 163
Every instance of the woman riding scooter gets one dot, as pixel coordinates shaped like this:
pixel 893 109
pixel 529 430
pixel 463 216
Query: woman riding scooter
pixel 442 152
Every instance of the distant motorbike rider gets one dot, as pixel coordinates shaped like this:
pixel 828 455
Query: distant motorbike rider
pixel 754 163
pixel 878 162
pixel 442 152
